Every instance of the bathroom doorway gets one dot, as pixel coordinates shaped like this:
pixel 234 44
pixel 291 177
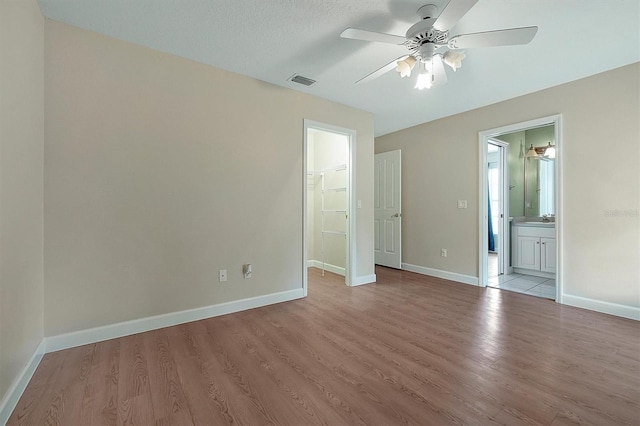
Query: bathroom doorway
pixel 531 184
pixel 328 219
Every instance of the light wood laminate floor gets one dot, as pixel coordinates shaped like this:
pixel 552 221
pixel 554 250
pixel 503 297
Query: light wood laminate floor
pixel 408 350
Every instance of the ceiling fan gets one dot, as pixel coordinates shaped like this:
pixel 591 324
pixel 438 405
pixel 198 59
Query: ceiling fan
pixel 430 46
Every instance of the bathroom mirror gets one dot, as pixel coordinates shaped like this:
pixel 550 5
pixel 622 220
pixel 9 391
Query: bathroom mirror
pixel 531 179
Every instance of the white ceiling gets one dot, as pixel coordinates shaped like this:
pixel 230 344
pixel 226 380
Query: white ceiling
pixel 273 39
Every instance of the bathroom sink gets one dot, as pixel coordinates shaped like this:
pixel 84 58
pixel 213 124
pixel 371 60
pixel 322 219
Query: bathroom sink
pixel 540 223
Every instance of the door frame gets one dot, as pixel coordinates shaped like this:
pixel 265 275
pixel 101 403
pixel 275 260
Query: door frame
pixel 483 138
pixel 504 245
pixel 349 273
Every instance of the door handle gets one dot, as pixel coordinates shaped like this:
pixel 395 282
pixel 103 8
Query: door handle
pixel 395 215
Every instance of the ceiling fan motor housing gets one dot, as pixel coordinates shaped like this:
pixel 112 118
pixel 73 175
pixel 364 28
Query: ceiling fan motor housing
pixel 427 11
pixel 423 32
pixel 426 51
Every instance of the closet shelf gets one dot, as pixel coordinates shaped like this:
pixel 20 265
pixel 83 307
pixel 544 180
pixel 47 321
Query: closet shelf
pixel 328 169
pixel 334 232
pixel 324 231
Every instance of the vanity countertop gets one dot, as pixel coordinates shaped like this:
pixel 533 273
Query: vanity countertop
pixel 536 224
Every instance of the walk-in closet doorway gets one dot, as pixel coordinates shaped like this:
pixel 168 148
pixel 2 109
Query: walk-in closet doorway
pixel 328 193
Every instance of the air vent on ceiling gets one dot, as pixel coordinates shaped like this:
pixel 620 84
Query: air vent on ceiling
pixel 302 80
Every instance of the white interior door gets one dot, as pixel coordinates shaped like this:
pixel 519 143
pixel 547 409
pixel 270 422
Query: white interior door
pixel 497 155
pixel 387 209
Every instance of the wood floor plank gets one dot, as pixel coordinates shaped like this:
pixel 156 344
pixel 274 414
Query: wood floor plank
pixel 288 391
pixel 100 400
pixel 238 374
pixel 206 395
pixel 134 394
pixel 62 400
pixel 409 349
pixel 331 382
pixel 29 408
pixel 167 394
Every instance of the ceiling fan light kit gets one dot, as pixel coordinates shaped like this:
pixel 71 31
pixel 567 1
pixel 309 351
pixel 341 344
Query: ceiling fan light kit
pixel 453 59
pixel 423 81
pixel 429 43
pixel 404 66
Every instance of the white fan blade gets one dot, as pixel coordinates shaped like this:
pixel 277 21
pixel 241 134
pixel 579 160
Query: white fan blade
pixel 439 73
pixel 508 37
pixel 355 34
pixel 385 69
pixel 452 13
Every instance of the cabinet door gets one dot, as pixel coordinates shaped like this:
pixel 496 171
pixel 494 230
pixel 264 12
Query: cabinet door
pixel 548 254
pixel 528 253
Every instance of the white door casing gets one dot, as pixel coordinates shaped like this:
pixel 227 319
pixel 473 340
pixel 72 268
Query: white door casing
pixel 351 217
pixel 388 209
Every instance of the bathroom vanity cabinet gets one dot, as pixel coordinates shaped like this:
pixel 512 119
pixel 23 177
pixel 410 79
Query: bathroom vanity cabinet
pixel 534 249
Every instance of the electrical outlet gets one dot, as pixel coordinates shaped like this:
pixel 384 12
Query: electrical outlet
pixel 443 252
pixel 222 275
pixel 462 204
pixel 246 271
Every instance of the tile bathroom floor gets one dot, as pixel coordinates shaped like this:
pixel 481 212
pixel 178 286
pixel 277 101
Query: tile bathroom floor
pixel 527 284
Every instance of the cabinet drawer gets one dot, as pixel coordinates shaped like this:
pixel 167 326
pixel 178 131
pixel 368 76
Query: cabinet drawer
pixel 532 231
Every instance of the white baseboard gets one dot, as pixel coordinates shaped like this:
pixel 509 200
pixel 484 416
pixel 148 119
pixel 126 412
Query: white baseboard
pixel 364 279
pixel 11 398
pixel 98 334
pixel 603 307
pixel 451 276
pixel 327 267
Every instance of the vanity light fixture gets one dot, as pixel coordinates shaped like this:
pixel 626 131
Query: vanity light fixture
pixel 550 151
pixel 532 153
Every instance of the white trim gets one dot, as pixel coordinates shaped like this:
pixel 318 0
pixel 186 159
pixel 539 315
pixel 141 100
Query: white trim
pixel 603 307
pixel 305 225
pixel 364 279
pixel 350 270
pixel 559 204
pixel 13 394
pixel 451 276
pixel 327 266
pixel 98 334
pixel 483 274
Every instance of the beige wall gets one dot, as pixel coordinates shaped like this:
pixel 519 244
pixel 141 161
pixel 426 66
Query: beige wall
pixel 21 159
pixel 601 183
pixel 160 171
